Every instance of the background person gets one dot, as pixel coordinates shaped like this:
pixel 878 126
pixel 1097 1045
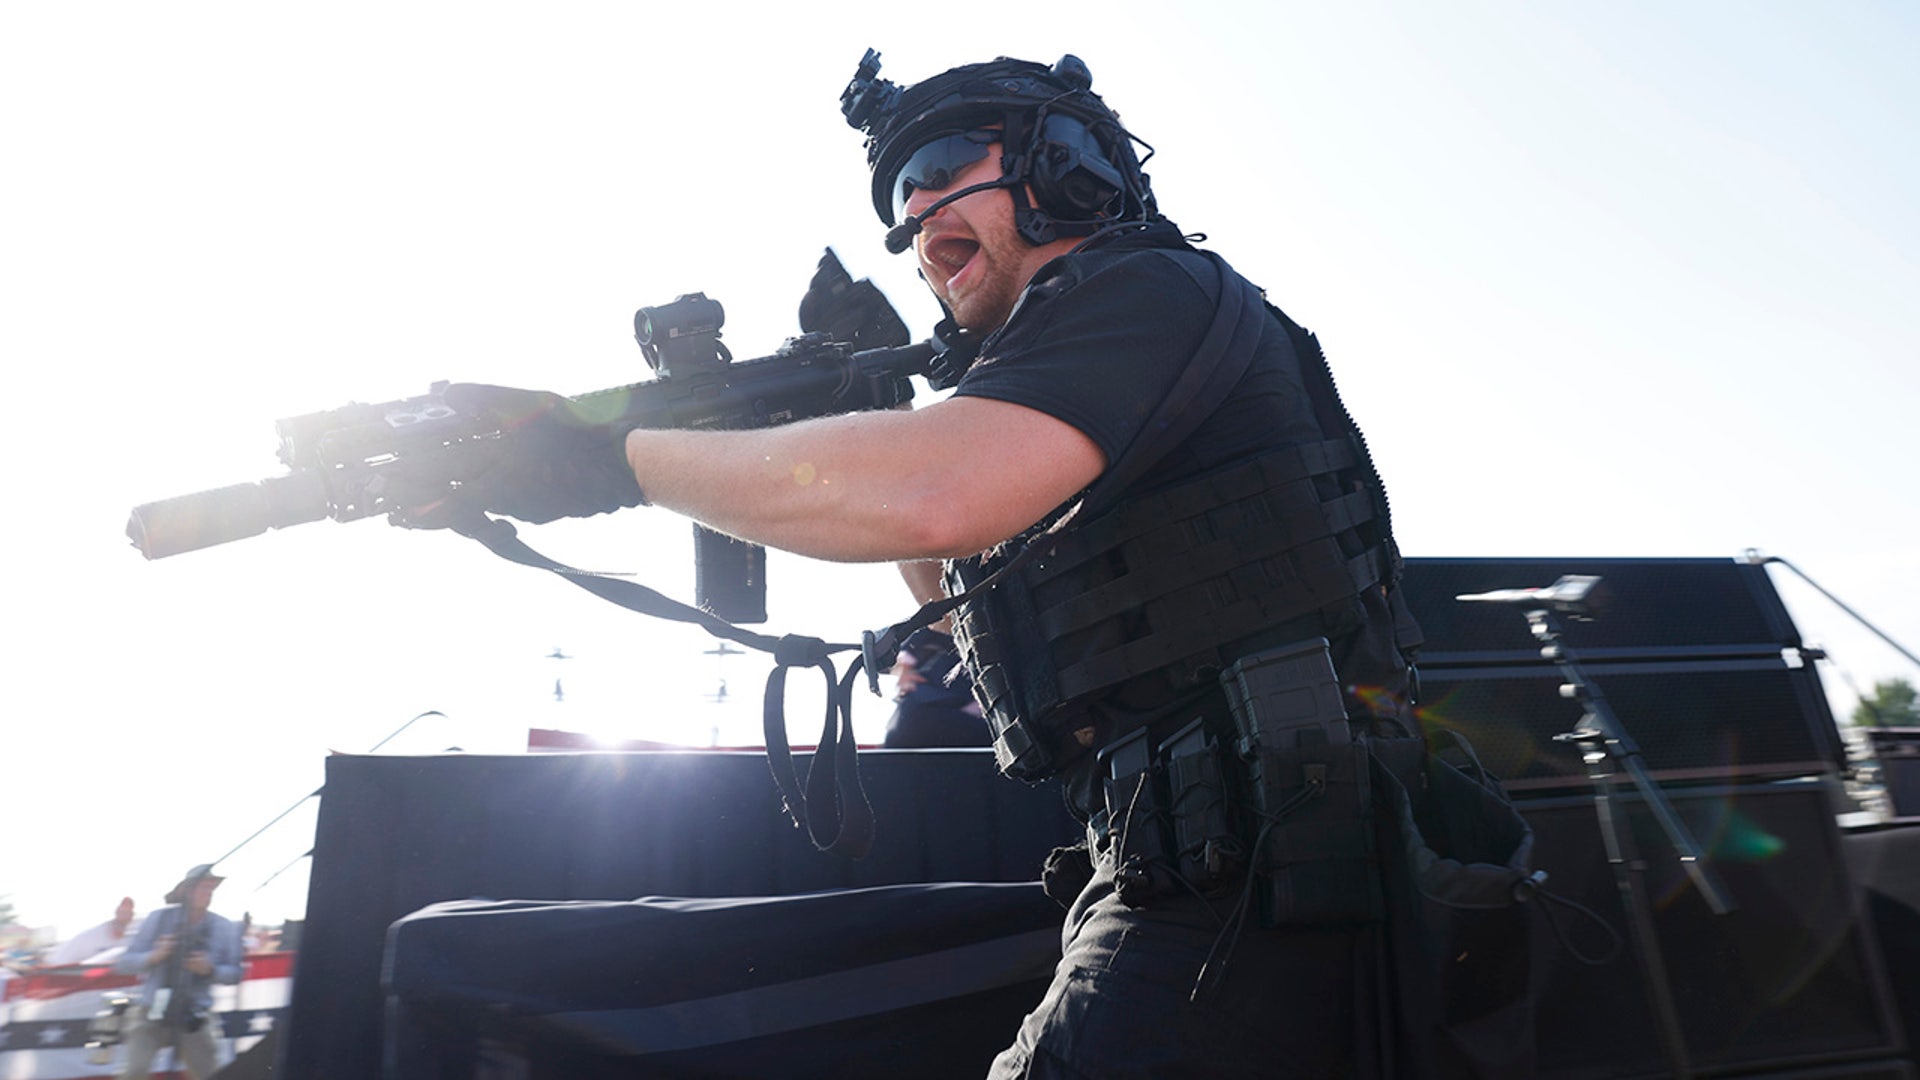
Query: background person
pixel 933 697
pixel 181 951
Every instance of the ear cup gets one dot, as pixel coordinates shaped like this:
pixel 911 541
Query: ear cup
pixel 1072 177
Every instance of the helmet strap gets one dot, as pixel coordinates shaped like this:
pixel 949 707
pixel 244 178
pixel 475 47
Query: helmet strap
pixel 1034 225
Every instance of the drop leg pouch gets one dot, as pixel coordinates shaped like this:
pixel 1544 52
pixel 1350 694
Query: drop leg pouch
pixel 1456 872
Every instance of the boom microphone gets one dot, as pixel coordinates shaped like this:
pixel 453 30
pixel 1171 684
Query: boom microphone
pixel 900 237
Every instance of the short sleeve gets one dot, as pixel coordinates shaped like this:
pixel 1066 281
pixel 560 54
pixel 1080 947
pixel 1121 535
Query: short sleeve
pixel 1097 340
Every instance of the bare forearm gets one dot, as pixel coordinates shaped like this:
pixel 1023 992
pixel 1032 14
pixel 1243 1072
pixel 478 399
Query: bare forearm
pixel 810 488
pixel 948 480
pixel 923 578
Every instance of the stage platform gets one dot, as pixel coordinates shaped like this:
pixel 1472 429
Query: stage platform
pixel 1792 980
pixel 1814 976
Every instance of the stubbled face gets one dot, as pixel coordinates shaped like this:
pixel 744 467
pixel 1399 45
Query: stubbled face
pixel 969 252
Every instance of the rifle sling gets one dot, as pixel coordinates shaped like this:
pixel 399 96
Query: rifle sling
pixel 841 819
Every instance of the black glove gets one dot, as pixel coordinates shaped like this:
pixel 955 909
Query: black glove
pixel 553 462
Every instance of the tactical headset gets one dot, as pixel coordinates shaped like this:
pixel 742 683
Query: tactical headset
pixel 1057 138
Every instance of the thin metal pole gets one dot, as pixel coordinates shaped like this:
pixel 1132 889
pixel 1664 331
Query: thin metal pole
pixel 315 793
pixel 1754 557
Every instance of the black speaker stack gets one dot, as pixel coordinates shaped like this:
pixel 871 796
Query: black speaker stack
pixel 1897 750
pixel 1699 657
pixel 1705 671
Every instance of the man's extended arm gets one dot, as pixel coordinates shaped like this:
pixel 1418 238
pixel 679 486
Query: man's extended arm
pixel 948 480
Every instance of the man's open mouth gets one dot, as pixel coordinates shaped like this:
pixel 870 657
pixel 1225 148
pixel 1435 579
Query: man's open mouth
pixel 951 254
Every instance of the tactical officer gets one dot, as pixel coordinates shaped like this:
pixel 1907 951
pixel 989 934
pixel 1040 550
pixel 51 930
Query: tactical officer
pixel 1163 459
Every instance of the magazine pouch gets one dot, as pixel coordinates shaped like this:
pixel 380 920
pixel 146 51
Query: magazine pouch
pixel 1308 782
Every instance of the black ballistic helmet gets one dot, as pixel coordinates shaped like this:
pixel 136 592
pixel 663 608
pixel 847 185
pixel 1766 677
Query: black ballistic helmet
pixel 1056 137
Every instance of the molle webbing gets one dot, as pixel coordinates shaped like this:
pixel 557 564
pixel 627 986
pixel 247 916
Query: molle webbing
pixel 1276 469
pixel 1208 562
pixel 1001 647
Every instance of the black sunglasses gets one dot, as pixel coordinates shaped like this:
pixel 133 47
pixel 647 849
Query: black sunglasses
pixel 934 165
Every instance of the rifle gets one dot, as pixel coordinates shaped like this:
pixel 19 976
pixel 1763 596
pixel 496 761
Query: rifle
pixel 340 461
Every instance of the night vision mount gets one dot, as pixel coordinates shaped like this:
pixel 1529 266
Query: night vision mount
pixel 867 96
pixel 869 101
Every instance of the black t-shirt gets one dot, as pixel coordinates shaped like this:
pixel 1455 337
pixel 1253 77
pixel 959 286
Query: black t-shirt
pixel 1096 341
pixel 1099 337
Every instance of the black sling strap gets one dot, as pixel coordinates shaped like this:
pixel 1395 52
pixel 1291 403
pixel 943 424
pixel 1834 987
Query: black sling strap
pixel 841 821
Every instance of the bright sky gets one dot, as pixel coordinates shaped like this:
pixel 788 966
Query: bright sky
pixel 1624 279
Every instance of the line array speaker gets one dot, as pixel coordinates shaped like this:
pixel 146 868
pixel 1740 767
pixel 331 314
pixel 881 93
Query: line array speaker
pixel 1693 720
pixel 1656 609
pixel 1698 657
